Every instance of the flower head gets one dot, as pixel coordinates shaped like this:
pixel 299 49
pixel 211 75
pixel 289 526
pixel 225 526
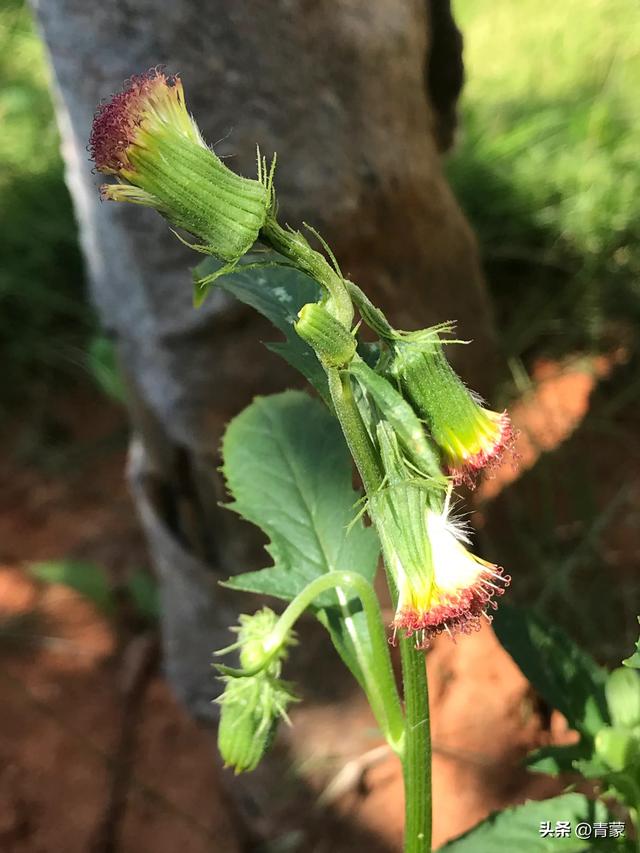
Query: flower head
pixel 470 436
pixel 453 592
pixel 441 585
pixel 132 116
pixel 145 137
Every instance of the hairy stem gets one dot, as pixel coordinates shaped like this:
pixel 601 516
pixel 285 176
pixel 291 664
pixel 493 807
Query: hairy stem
pixel 417 751
pixel 354 430
pixel 416 757
pixel 293 246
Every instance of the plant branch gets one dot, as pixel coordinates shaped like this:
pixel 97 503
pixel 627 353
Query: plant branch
pixel 354 430
pixel 379 681
pixel 293 246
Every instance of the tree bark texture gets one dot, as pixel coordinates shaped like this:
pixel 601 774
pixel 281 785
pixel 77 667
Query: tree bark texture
pixel 358 99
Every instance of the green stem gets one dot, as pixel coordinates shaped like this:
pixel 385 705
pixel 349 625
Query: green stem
pixel 417 752
pixel 416 755
pixel 293 246
pixel 354 430
pixel 379 682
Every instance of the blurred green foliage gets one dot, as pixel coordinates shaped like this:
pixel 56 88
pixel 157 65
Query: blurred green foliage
pixel 547 165
pixel 547 169
pixel 44 321
pixel 90 580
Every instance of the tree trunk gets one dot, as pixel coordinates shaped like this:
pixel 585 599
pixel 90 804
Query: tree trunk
pixel 358 99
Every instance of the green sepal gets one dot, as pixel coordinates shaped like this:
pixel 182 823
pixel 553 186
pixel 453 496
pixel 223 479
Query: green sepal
pixel 634 660
pixel 400 415
pixel 197 192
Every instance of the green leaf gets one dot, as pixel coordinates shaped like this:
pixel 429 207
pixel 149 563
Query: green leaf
pixel 85 578
pixel 289 472
pixel 277 292
pixel 634 660
pixel 591 768
pixel 518 828
pixel 565 676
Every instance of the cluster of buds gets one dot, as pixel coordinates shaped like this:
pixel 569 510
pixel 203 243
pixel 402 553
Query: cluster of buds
pixel 428 433
pixel 255 700
pixel 418 427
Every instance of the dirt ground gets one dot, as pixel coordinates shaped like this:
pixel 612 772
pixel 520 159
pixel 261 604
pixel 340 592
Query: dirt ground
pixel 97 757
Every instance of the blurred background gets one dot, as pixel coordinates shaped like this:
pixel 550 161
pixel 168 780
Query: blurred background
pixel 545 166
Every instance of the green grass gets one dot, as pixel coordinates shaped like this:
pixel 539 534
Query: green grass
pixel 547 169
pixel 547 165
pixel 44 321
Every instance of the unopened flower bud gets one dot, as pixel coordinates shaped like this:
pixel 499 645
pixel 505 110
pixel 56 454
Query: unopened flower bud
pixel 251 709
pixel 469 435
pixel 147 139
pixel 622 690
pixel 254 635
pixel 333 342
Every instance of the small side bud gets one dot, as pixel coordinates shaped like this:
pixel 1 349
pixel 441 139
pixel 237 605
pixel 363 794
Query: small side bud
pixel 334 344
pixel 254 633
pixel 253 704
pixel 251 709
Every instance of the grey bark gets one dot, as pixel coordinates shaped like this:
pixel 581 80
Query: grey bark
pixel 358 99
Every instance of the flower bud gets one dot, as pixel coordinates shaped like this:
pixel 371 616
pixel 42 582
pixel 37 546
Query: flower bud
pixel 251 709
pixel 469 435
pixel 254 634
pixel 441 585
pixel 333 342
pixel 147 139
pixel 623 697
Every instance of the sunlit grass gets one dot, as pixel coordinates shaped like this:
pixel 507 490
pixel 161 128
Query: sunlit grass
pixel 547 163
pixel 547 169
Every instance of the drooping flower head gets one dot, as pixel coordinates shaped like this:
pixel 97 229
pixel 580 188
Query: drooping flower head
pixel 442 586
pixel 253 702
pixel 145 137
pixel 251 707
pixel 470 436
pixel 460 586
